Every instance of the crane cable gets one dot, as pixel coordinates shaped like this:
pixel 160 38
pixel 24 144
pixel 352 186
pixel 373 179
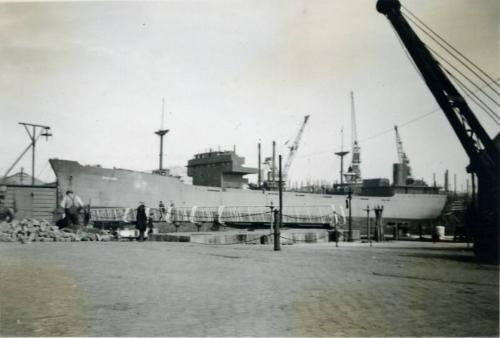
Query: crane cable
pixel 456 69
pixel 473 97
pixel 488 83
pixel 487 109
pixel 463 75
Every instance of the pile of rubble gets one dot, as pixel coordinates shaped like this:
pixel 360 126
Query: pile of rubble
pixel 32 230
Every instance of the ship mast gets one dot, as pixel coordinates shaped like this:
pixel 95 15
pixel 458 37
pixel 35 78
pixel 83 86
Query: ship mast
pixel 162 132
pixel 341 154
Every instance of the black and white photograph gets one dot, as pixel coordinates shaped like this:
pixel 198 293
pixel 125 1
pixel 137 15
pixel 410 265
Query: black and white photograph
pixel 250 168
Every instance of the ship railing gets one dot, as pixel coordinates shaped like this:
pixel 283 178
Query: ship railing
pixel 227 214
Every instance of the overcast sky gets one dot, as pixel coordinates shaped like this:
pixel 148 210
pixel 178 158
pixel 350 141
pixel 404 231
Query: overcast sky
pixel 232 73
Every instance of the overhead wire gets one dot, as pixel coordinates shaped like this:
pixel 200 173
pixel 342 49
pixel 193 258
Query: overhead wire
pixel 473 97
pixel 463 75
pixel 454 49
pixel 486 108
pixel 457 70
pixel 43 170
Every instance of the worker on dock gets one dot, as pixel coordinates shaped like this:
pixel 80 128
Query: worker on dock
pixel 6 214
pixel 141 221
pixel 72 204
pixel 150 224
pixel 86 215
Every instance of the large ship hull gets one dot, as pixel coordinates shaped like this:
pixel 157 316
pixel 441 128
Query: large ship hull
pixel 121 188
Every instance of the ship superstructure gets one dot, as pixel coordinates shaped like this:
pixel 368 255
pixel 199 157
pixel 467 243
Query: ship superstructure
pixel 223 169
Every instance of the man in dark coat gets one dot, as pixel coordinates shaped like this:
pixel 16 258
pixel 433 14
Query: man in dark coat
pixel 142 221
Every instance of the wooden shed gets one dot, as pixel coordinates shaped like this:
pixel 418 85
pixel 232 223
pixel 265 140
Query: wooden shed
pixel 31 201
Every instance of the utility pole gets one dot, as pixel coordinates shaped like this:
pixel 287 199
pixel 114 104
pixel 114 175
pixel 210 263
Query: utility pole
pixel 34 135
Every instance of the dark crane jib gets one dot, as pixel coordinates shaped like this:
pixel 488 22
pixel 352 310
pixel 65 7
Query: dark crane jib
pixel 483 153
pixel 463 121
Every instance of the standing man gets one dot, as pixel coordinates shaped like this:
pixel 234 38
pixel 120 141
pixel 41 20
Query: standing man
pixel 142 220
pixel 150 224
pixel 86 215
pixel 161 206
pixel 71 205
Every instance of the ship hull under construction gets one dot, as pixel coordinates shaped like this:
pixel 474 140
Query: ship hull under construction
pixel 121 188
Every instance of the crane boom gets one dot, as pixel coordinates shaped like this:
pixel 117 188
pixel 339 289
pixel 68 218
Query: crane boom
pixel 354 129
pixel 293 148
pixel 354 175
pixel 402 157
pixel 483 153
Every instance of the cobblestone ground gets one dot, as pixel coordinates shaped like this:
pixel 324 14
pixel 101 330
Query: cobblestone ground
pixel 184 289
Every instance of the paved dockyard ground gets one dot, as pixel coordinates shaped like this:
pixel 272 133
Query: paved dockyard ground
pixel 185 289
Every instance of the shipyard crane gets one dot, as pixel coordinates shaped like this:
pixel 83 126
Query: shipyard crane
pixel 354 173
pixel 482 151
pixel 293 148
pixel 402 157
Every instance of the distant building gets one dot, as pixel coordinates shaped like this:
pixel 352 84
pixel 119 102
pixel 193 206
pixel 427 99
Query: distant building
pixel 20 178
pixel 219 169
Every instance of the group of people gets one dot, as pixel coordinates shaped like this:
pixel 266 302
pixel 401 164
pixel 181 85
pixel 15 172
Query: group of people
pixel 143 221
pixel 73 205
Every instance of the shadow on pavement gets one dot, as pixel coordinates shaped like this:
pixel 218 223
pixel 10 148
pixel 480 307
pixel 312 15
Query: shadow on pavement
pixel 453 257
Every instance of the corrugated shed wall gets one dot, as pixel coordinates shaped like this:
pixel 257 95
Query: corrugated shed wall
pixel 32 201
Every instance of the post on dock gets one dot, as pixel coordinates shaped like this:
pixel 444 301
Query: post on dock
pixel 369 238
pixel 349 206
pixel 259 174
pixel 278 213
